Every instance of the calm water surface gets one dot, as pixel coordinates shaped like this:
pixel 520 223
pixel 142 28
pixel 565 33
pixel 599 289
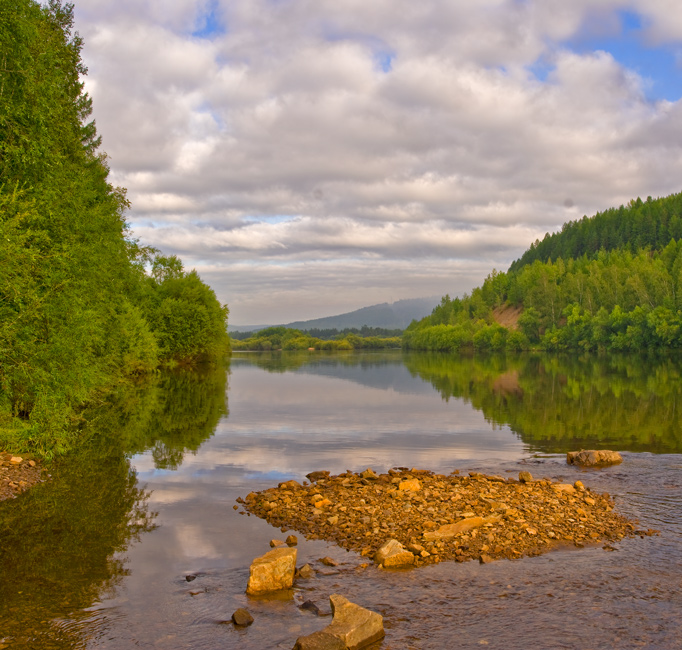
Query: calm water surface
pixel 98 558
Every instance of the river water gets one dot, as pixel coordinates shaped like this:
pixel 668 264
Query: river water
pixel 99 556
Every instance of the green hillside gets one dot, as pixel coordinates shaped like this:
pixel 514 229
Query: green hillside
pixel 613 281
pixel 82 306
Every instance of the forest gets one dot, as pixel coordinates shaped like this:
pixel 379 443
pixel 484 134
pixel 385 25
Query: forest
pixel 286 338
pixel 83 306
pixel 610 282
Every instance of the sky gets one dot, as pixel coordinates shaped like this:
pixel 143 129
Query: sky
pixel 311 157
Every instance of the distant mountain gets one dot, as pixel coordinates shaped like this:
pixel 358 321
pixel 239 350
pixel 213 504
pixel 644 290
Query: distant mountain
pixel 389 316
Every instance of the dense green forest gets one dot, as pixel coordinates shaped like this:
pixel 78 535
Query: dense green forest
pixel 82 305
pixel 329 334
pixel 602 291
pixel 285 338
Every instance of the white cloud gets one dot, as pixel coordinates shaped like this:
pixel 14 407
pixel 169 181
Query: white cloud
pixel 365 144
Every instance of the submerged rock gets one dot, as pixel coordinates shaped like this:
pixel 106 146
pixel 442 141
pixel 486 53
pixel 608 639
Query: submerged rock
pixel 272 572
pixel 242 617
pixel 593 458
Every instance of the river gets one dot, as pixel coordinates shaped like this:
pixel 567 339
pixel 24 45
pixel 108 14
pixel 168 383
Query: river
pixel 99 556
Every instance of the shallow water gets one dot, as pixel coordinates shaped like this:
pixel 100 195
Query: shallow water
pixel 98 558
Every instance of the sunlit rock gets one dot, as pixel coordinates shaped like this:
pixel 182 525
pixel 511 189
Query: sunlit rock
pixel 272 572
pixel 355 626
pixel 463 526
pixel 593 458
pixel 393 554
pixel 410 485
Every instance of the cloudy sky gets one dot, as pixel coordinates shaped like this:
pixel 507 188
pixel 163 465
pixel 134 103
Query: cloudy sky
pixel 310 157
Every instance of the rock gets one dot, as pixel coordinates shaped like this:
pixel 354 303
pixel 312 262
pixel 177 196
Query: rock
pixel 242 617
pixel 291 540
pixel 593 458
pixel 356 626
pixel 272 572
pixel 276 543
pixel 327 561
pixel 16 460
pixel 319 641
pixel 485 559
pixel 310 606
pixel 578 485
pixel 313 477
pixel 190 577
pixel 289 485
pixel 525 477
pixel 410 485
pixel 393 554
pixel 305 572
pixel 450 530
pixel 369 474
pixel 564 487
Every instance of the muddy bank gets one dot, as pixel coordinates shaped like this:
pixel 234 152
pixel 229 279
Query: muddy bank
pixel 439 517
pixel 18 474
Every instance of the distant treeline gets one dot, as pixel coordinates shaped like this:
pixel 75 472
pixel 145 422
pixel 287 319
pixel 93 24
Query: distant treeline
pixel 82 305
pixel 283 338
pixel 615 298
pixel 330 334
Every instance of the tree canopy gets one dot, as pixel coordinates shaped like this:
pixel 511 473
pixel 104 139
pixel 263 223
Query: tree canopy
pixel 78 310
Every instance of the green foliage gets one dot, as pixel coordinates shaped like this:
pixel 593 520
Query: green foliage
pixel 78 314
pixel 615 298
pixel 640 224
pixel 282 338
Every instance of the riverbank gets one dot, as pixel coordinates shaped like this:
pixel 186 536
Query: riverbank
pixel 18 474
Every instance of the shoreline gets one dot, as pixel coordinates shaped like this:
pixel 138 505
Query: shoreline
pixel 18 474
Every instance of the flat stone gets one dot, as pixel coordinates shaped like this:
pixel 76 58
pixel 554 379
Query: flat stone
pixel 356 626
pixel 275 543
pixel 393 554
pixel 272 572
pixel 463 526
pixel 564 487
pixel 327 561
pixel 593 458
pixel 410 485
pixel 313 477
pixel 242 617
pixel 319 641
pixel 16 460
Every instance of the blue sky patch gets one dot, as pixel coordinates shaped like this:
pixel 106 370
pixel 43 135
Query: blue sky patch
pixel 209 24
pixel 384 60
pixel 656 64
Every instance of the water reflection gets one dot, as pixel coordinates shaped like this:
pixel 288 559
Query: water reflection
pixel 558 403
pixel 63 543
pixel 165 463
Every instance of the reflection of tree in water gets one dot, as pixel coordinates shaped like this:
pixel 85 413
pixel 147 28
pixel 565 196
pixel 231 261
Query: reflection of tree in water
pixel 293 360
pixel 62 542
pixel 557 403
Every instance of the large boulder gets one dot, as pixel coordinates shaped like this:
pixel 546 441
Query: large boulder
pixel 593 458
pixel 272 572
pixel 393 554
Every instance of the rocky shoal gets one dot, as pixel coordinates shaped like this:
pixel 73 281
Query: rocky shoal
pixel 18 474
pixel 438 517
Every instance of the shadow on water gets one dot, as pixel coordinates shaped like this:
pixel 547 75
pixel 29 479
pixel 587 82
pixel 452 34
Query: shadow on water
pixel 63 542
pixel 560 403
